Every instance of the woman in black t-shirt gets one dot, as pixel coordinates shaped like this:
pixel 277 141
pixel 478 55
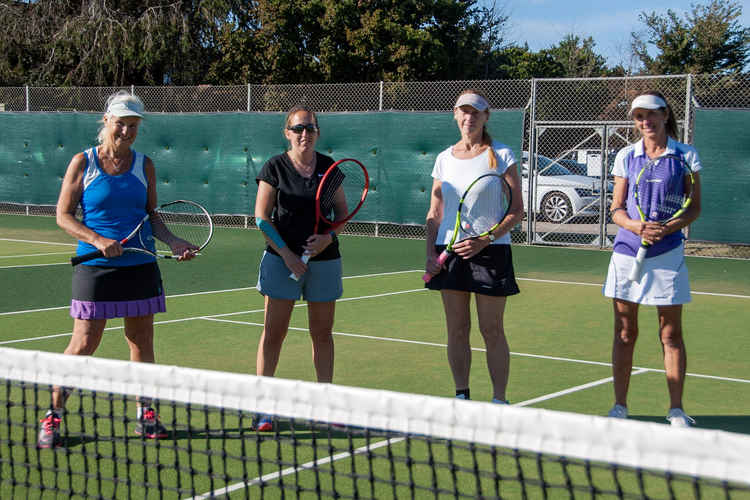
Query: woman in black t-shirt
pixel 285 211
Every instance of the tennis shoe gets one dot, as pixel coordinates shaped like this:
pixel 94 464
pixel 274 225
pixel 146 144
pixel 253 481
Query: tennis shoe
pixel 618 411
pixel 149 426
pixel 500 401
pixel 49 431
pixel 678 418
pixel 262 423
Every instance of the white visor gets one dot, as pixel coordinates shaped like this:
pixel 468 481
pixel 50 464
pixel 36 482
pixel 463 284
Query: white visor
pixel 474 100
pixel 125 108
pixel 647 101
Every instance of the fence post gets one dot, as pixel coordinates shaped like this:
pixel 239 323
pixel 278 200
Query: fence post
pixel 380 103
pixel 28 108
pixel 249 98
pixel 531 165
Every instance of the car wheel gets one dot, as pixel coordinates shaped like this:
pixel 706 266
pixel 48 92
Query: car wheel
pixel 556 207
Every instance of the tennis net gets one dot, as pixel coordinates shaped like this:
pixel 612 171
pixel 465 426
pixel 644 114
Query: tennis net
pixel 331 441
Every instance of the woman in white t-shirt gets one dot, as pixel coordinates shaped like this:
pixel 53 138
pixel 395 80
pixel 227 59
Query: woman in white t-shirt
pixel 482 266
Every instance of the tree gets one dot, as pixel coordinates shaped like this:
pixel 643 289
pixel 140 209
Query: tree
pixel 96 42
pixel 577 57
pixel 707 40
pixel 518 63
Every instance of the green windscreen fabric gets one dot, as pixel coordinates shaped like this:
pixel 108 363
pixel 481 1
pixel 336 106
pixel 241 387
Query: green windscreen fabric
pixel 214 158
pixel 722 138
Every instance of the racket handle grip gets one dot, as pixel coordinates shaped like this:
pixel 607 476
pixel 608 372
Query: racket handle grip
pixel 426 277
pixel 77 259
pixel 635 271
pixel 305 258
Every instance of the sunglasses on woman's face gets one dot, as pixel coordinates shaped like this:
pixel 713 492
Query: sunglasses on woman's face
pixel 298 129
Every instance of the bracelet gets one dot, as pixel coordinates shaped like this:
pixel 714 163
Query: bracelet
pixel 615 210
pixel 334 237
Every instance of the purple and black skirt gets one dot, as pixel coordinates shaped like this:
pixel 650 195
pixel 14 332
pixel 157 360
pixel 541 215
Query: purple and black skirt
pixel 116 292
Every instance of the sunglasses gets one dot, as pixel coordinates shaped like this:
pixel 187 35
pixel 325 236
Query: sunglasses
pixel 298 129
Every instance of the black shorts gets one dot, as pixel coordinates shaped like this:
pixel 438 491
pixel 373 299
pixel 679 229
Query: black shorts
pixel 490 272
pixel 116 292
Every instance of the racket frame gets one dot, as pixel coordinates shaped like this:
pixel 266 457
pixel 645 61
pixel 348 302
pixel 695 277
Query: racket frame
pixel 445 254
pixel 78 259
pixel 333 225
pixel 640 257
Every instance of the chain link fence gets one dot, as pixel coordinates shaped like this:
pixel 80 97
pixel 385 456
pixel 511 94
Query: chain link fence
pixel 572 131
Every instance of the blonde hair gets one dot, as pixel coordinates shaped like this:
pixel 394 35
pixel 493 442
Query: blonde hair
pixel 118 97
pixel 486 138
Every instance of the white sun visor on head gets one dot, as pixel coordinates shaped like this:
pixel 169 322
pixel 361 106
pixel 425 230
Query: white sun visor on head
pixel 647 101
pixel 476 101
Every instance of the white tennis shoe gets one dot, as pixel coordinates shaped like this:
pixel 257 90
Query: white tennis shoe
pixel 678 418
pixel 618 411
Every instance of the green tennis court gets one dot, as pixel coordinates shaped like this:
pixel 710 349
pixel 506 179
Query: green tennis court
pixel 389 331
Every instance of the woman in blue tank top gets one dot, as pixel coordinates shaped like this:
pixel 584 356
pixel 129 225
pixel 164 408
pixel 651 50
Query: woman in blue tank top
pixel 115 188
pixel 664 282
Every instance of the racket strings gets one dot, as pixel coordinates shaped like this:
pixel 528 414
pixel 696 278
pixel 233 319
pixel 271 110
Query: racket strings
pixel 187 222
pixel 660 191
pixel 351 178
pixel 484 205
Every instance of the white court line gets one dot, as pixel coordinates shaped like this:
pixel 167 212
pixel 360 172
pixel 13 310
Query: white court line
pixel 230 290
pixel 215 317
pixel 387 442
pixel 36 265
pixel 39 242
pixel 32 255
pixel 640 369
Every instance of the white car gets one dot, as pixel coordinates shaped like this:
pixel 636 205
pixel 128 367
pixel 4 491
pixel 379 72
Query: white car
pixel 560 195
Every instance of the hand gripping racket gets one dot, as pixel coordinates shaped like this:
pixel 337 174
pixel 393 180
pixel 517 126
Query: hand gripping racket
pixel 481 209
pixel 663 191
pixel 347 174
pixel 184 219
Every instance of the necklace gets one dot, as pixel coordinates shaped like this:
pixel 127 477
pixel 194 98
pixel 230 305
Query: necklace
pixel 305 169
pixel 118 163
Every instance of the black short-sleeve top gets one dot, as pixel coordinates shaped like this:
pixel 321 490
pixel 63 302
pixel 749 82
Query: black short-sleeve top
pixel 294 211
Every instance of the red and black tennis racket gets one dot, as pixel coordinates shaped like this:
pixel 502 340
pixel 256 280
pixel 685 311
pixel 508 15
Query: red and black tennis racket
pixel 184 219
pixel 346 178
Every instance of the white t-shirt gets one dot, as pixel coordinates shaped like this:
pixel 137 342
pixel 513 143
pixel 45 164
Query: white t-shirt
pixel 456 174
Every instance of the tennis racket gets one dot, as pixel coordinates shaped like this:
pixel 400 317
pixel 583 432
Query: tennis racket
pixel 347 174
pixel 481 209
pixel 186 220
pixel 663 191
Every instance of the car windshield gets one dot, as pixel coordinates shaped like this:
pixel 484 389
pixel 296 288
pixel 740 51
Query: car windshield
pixel 547 166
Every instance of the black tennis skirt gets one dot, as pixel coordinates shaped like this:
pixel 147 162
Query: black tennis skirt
pixel 116 292
pixel 490 272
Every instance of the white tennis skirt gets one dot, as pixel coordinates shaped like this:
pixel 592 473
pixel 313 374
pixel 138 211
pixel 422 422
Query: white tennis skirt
pixel 664 279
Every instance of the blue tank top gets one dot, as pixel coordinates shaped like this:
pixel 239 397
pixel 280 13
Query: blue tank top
pixel 112 206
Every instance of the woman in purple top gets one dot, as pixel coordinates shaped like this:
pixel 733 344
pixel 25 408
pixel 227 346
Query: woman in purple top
pixel 664 280
pixel 115 188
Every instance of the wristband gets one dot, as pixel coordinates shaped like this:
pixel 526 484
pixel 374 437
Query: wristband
pixel 334 237
pixel 271 232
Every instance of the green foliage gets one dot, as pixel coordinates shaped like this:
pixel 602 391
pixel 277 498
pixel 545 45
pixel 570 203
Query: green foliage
pixel 577 57
pixel 708 40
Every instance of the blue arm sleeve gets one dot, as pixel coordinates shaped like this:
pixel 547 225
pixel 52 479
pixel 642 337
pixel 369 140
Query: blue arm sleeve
pixel 271 232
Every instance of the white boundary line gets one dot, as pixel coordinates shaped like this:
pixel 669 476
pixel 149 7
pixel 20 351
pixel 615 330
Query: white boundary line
pixel 230 290
pixel 32 255
pixel 39 242
pixel 215 317
pixel 386 442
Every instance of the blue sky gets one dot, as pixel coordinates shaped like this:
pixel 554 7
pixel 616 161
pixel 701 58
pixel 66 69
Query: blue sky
pixel 543 23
